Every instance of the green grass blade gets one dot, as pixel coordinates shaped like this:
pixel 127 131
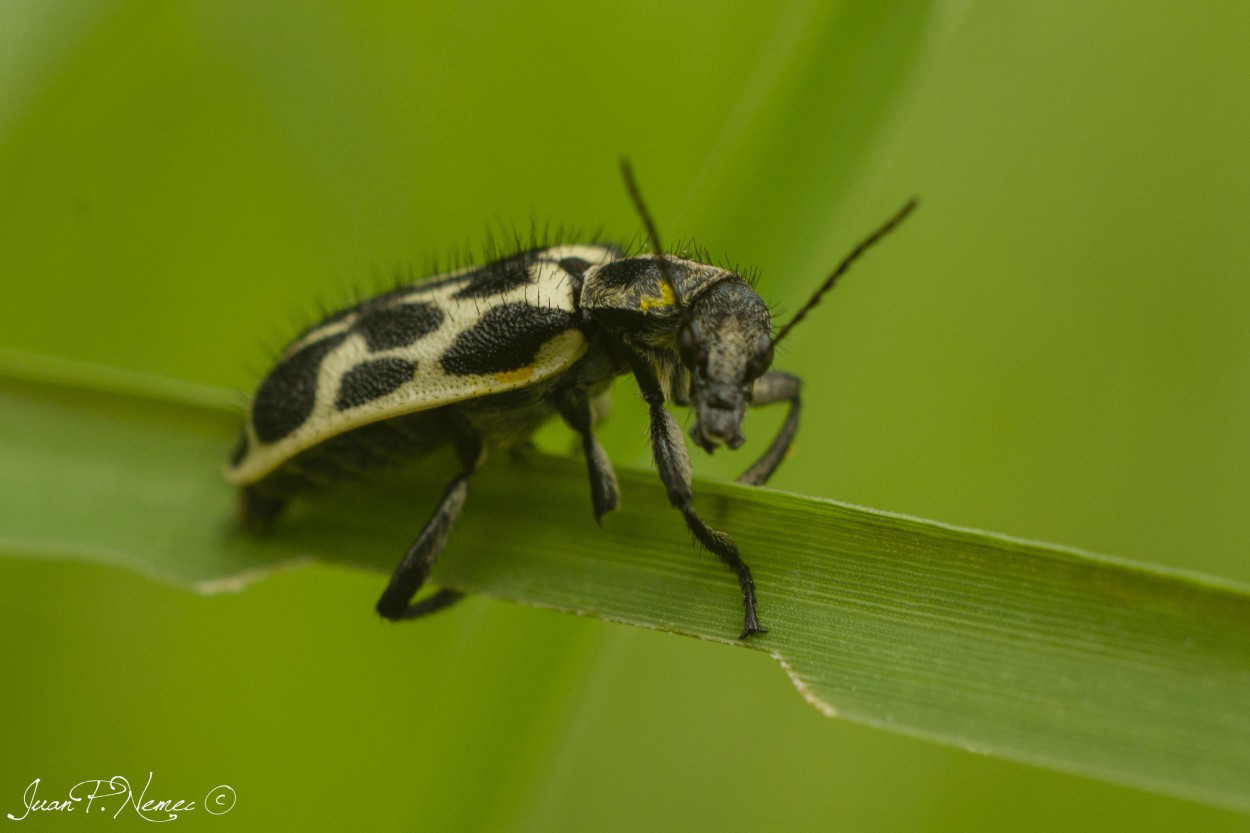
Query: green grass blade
pixel 1035 653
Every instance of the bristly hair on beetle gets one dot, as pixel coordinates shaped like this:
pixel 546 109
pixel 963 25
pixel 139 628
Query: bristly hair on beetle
pixel 478 358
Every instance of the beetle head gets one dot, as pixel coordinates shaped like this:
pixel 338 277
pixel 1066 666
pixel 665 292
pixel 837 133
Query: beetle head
pixel 725 344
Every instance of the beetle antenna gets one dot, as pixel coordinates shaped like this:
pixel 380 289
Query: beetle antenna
pixel 631 185
pixel 867 243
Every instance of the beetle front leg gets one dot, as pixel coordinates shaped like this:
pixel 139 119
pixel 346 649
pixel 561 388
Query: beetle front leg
pixel 395 603
pixel 605 494
pixel 775 386
pixel 668 446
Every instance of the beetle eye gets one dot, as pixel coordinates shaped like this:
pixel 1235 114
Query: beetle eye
pixel 760 360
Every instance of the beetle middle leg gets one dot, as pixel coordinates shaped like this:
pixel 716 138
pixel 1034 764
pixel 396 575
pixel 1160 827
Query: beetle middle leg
pixel 775 386
pixel 668 446
pixel 575 408
pixel 396 601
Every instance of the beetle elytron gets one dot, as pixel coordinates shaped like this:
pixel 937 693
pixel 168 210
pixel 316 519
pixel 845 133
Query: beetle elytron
pixel 481 357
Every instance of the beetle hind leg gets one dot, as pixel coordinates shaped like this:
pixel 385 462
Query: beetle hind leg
pixel 442 598
pixel 396 602
pixel 258 512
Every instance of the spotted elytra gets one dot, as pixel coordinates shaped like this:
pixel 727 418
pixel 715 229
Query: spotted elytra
pixel 480 358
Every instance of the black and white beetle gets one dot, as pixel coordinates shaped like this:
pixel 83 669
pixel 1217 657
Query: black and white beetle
pixel 481 357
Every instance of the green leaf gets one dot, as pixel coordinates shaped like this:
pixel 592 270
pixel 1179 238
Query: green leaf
pixel 1027 651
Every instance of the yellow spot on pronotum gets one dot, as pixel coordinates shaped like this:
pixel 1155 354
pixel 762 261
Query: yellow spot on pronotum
pixel 518 375
pixel 665 300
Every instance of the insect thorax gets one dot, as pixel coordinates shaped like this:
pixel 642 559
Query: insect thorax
pixel 644 306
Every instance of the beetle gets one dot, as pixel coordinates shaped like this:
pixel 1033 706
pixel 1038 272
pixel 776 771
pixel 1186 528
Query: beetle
pixel 481 357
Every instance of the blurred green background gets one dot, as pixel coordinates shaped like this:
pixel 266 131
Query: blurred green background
pixel 1057 346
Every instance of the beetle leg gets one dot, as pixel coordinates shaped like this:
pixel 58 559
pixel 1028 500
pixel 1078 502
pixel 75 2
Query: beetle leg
pixel 574 407
pixel 258 512
pixel 668 446
pixel 395 603
pixel 775 386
